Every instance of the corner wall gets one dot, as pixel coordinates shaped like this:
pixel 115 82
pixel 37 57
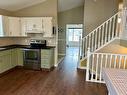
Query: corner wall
pixel 71 16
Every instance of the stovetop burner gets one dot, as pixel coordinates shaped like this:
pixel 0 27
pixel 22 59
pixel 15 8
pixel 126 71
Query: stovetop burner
pixel 37 44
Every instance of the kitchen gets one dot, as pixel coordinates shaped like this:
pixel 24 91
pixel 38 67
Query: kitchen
pixel 19 33
pixel 35 54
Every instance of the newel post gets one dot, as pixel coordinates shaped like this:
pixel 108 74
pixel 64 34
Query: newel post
pixel 88 62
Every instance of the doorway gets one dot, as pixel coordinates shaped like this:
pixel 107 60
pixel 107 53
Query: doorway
pixel 73 39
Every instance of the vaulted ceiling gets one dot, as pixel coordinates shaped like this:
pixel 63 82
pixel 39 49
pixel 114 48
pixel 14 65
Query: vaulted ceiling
pixel 14 5
pixel 69 4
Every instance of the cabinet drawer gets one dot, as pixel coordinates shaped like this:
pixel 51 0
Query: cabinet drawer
pixel 43 56
pixel 5 52
pixel 45 61
pixel 45 66
pixel 46 52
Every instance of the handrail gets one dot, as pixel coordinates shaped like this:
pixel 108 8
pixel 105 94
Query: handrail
pixel 97 61
pixel 104 33
pixel 101 24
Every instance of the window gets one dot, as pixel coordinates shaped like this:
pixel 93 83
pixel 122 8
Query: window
pixel 74 34
pixel 1 26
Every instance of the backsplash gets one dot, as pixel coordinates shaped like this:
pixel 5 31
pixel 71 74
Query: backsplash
pixel 51 41
pixel 6 41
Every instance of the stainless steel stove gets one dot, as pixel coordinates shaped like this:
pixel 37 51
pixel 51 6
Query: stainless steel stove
pixel 32 54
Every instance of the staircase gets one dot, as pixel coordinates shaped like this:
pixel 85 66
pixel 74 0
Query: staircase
pixel 100 37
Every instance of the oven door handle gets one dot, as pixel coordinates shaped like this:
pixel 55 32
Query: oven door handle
pixel 30 49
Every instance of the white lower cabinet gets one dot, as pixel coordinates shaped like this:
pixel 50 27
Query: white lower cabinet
pixel 5 60
pixel 20 57
pixel 47 58
pixel 10 59
pixel 14 57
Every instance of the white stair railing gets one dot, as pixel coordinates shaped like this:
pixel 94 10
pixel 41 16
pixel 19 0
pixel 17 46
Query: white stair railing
pixel 103 34
pixel 97 61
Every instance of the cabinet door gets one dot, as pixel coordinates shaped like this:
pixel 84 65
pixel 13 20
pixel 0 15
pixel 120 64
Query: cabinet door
pixel 34 25
pixel 47 58
pixel 14 26
pixel 20 57
pixel 14 58
pixel 45 63
pixel 23 27
pixel 6 62
pixel 4 26
pixel 0 64
pixel 47 24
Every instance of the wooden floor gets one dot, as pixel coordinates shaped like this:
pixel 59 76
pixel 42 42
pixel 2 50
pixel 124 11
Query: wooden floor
pixel 64 80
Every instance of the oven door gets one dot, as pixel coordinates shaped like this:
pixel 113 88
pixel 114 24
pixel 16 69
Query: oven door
pixel 32 59
pixel 31 54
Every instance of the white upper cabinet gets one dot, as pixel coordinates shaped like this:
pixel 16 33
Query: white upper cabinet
pixel 14 26
pixel 48 26
pixel 4 26
pixel 21 26
pixel 37 25
pixel 1 26
pixel 33 24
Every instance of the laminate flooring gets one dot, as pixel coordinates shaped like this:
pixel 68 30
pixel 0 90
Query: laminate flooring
pixel 66 79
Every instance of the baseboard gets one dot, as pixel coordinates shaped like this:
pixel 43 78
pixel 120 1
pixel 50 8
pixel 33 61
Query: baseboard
pixel 46 69
pixel 6 72
pixel 62 54
pixel 19 67
pixel 56 65
pixel 82 68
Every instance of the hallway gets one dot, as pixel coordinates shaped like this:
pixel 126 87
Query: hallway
pixel 64 80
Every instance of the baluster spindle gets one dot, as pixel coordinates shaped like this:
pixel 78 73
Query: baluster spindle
pixel 101 67
pixel 120 57
pixel 125 59
pixel 115 61
pixel 106 58
pixel 99 36
pixel 113 27
pixel 92 75
pixel 88 63
pixel 92 41
pixel 106 32
pixel 96 40
pixel 109 32
pixel 96 75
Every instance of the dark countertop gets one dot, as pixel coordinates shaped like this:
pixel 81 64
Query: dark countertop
pixel 21 46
